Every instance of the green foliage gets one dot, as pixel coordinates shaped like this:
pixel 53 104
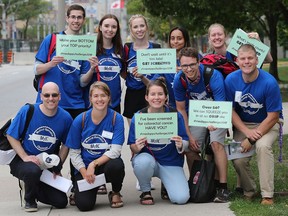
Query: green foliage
pixel 243 207
pixel 135 7
pixel 31 9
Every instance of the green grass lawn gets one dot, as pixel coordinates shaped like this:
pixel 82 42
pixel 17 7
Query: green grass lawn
pixel 243 207
pixel 283 76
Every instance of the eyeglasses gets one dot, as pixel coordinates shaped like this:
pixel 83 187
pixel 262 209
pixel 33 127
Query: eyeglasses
pixel 191 66
pixel 73 17
pixel 49 95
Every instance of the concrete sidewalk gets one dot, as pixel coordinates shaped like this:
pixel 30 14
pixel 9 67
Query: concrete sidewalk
pixel 10 200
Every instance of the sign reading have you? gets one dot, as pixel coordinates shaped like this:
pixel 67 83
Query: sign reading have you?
pixel 76 47
pixel 156 125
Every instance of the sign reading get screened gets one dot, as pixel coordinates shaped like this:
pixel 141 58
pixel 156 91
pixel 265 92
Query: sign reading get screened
pixel 156 125
pixel 150 61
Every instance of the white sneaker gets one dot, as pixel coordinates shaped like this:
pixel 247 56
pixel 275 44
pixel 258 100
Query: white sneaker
pixel 48 161
pixel 138 186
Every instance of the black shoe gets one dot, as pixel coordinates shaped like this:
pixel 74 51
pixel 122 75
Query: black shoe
pixel 222 196
pixel 31 206
pixel 164 194
pixel 239 190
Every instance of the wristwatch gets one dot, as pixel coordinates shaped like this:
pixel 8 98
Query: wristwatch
pixel 251 141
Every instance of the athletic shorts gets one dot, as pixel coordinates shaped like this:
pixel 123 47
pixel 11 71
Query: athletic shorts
pixel 201 133
pixel 134 101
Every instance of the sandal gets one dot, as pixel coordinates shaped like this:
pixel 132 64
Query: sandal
pixel 102 190
pixel 72 199
pixel 164 194
pixel 146 198
pixel 118 203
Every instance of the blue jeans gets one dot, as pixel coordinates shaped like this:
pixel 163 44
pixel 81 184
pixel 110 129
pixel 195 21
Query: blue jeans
pixel 173 177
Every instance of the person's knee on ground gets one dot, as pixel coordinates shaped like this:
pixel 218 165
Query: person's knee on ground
pixel 85 206
pixel 242 167
pixel 180 200
pixel 60 204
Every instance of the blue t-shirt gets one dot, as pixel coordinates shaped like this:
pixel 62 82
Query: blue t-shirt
pixel 94 140
pixel 257 98
pixel 66 75
pixel 164 150
pixel 199 91
pixel 230 56
pixel 110 65
pixel 44 133
pixel 131 81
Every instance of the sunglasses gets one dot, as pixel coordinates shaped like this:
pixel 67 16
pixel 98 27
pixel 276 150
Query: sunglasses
pixel 46 95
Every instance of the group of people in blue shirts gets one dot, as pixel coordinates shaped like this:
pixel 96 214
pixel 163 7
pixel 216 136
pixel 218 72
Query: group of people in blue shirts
pixel 78 113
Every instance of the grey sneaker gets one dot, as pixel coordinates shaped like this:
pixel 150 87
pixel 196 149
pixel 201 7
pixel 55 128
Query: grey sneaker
pixel 222 196
pixel 31 206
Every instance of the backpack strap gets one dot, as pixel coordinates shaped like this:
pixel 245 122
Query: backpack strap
pixel 52 47
pixel 28 119
pixel 97 73
pixel 208 72
pixel 280 141
pixel 83 119
pixel 127 47
pixel 114 118
pixel 183 81
pixel 144 110
pixel 171 109
pixel 156 45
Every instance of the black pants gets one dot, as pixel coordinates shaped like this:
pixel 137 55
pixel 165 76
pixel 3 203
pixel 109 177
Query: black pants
pixel 114 173
pixel 30 173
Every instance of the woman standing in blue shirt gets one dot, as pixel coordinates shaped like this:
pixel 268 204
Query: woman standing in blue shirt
pixel 107 65
pixel 135 92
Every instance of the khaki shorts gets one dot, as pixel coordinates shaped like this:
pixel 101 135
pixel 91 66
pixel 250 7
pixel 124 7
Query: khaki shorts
pixel 201 133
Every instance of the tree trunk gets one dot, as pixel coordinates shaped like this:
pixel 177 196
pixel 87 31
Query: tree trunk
pixel 272 21
pixel 25 29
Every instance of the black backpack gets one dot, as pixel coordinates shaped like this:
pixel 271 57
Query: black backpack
pixel 4 143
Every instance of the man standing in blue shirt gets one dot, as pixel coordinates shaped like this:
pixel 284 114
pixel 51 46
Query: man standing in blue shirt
pixel 189 84
pixel 257 106
pixel 65 73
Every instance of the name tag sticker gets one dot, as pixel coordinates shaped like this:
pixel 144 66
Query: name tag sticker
pixel 107 134
pixel 238 95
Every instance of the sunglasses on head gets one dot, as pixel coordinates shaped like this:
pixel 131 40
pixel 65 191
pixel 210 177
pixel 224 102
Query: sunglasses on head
pixel 46 95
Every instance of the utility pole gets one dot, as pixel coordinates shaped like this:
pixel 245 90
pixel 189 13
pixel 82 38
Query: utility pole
pixel 61 15
pixel 91 19
pixel 3 31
